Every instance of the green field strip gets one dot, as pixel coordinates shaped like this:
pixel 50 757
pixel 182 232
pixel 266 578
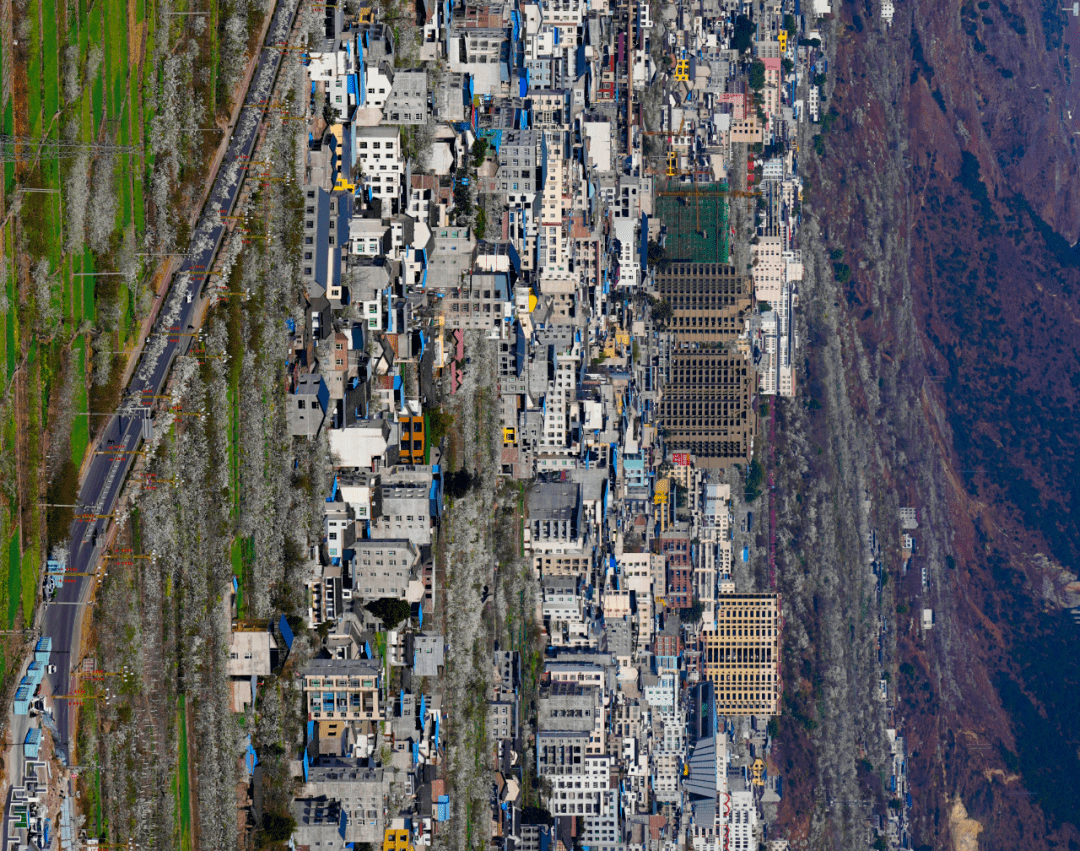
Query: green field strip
pixel 134 136
pixel 4 320
pixel 116 57
pixel 88 308
pixel 14 579
pixel 29 584
pixel 80 427
pixel 128 325
pixel 71 26
pixel 238 571
pixel 97 85
pixel 6 523
pixel 74 290
pixel 50 78
pixel 183 784
pixel 9 130
pixel 123 180
pixel 11 330
pixel 35 418
pixel 33 71
pixel 82 34
pixel 97 803
pixel 54 234
pixel 138 204
pixel 85 107
pixel 66 269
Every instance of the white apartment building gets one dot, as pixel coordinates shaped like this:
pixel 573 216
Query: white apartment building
pixel 666 777
pixel 563 610
pixel 379 82
pixel 768 261
pixel 368 237
pixel 560 395
pixel 383 568
pixel 378 152
pixel 663 695
pixel 332 69
pixel 743 823
pixel 581 793
pixel 601 829
pixel 340 529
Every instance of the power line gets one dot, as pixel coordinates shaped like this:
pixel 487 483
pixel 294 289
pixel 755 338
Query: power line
pixel 24 148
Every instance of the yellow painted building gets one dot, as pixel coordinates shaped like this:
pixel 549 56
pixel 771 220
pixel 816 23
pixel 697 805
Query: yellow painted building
pixel 396 839
pixel 411 448
pixel 740 657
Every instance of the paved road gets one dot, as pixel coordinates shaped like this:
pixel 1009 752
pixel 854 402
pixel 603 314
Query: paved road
pixel 123 437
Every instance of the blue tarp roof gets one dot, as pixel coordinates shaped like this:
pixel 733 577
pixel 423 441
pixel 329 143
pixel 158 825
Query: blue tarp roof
pixel 286 632
pixel 251 759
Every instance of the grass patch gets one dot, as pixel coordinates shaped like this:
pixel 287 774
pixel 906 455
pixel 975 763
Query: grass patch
pixel 9 129
pixel 238 571
pixel 97 86
pixel 50 44
pixel 11 327
pixel 116 55
pixel 33 70
pixel 183 786
pixel 14 579
pixel 29 571
pixel 86 306
pixel 80 427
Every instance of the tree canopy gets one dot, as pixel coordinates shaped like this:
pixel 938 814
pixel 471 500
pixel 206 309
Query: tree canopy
pixel 757 75
pixel 389 610
pixel 744 33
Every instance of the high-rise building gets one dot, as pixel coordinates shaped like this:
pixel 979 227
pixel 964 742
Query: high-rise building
pixel 740 656
pixel 709 301
pixel 705 408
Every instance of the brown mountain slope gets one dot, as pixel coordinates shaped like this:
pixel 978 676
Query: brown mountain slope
pixel 947 174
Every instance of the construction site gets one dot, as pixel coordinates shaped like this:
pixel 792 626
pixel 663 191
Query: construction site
pixel 695 218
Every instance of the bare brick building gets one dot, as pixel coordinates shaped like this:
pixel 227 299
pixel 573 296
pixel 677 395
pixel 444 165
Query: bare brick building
pixel 706 407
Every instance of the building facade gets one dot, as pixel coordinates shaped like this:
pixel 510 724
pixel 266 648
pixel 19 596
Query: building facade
pixel 740 656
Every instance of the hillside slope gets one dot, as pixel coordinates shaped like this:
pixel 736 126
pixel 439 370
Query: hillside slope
pixel 949 367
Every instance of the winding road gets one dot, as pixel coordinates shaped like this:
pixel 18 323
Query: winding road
pixel 170 337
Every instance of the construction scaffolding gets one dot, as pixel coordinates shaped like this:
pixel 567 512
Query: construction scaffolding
pixel 696 218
